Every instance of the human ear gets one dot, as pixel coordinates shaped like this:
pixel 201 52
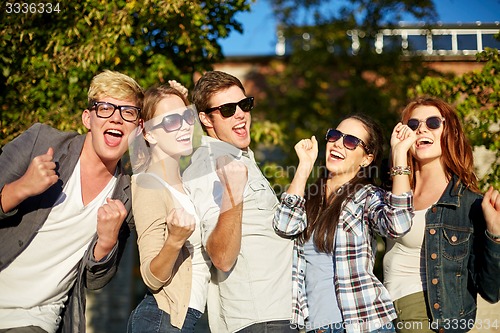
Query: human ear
pixel 367 160
pixel 150 138
pixel 205 120
pixel 86 118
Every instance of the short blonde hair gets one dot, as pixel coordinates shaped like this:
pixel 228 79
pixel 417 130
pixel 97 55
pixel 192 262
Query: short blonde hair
pixel 115 85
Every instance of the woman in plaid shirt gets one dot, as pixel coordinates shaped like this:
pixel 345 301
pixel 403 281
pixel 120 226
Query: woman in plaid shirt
pixel 334 287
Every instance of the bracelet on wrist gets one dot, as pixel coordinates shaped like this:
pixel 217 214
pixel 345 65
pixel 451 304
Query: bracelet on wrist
pixel 400 170
pixel 494 237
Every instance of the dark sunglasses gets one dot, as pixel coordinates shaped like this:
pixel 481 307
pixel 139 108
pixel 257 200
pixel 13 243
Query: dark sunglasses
pixel 350 141
pixel 128 113
pixel 229 109
pixel 432 123
pixel 173 122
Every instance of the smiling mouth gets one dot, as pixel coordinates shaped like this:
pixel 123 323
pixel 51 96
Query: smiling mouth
pixel 114 132
pixel 184 139
pixel 424 142
pixel 240 129
pixel 113 137
pixel 336 155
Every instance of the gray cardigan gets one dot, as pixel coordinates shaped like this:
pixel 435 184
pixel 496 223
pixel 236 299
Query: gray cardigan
pixel 19 227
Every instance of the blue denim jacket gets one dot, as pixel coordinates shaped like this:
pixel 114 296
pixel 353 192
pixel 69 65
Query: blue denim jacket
pixel 461 261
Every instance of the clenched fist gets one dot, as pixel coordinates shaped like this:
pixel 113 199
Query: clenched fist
pixel 180 225
pixel 233 176
pixel 110 217
pixel 41 174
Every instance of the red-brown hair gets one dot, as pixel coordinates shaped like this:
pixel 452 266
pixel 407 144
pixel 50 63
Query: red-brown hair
pixel 456 149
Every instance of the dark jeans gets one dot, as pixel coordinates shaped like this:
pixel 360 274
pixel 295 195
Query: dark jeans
pixel 278 326
pixel 387 328
pixel 332 328
pixel 148 318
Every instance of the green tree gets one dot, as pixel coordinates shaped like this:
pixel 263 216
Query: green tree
pixel 476 96
pixel 48 59
pixel 323 78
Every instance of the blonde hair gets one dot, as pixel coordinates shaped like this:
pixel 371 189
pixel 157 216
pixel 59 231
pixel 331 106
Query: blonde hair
pixel 116 85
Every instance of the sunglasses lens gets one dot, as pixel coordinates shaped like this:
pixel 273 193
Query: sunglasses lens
pixel 351 142
pixel 413 124
pixel 433 122
pixel 333 135
pixel 172 122
pixel 246 104
pixel 189 117
pixel 227 110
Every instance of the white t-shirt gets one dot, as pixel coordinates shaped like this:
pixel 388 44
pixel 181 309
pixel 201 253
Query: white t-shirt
pixel 34 287
pixel 404 271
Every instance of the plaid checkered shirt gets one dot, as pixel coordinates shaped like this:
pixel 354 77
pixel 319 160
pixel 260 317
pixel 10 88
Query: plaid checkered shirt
pixel 363 300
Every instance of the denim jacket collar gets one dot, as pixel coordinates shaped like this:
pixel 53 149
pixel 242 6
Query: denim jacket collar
pixel 454 191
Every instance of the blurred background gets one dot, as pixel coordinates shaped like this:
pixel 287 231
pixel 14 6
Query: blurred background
pixel 307 62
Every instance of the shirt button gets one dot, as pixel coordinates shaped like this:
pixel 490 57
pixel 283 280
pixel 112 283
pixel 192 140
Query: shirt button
pixel 434 256
pixel 432 231
pixel 436 306
pixel 434 209
pixel 435 281
pixel 454 238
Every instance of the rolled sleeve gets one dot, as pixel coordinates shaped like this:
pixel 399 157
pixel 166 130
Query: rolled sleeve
pixel 290 217
pixel 402 201
pixel 393 214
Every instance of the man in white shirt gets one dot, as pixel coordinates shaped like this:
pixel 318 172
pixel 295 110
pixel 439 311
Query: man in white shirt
pixel 251 289
pixel 65 211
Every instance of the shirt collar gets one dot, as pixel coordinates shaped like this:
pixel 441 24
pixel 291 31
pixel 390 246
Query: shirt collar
pixel 220 148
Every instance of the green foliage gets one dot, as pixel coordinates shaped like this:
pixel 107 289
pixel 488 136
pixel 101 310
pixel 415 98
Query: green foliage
pixel 476 96
pixel 320 80
pixel 47 60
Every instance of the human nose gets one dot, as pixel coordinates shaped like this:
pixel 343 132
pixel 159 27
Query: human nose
pixel 117 115
pixel 239 113
pixel 421 128
pixel 338 143
pixel 184 125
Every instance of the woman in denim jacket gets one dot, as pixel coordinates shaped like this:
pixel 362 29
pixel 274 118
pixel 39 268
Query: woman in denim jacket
pixel 334 287
pixel 451 254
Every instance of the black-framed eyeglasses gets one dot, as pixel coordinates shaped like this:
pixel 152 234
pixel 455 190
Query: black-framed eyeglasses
pixel 229 109
pixel 432 122
pixel 128 113
pixel 349 141
pixel 173 122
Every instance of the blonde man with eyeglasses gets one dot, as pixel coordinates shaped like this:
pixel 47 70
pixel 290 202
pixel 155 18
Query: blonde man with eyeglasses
pixel 65 211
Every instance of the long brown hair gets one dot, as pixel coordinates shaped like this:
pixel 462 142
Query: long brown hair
pixel 456 149
pixel 323 213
